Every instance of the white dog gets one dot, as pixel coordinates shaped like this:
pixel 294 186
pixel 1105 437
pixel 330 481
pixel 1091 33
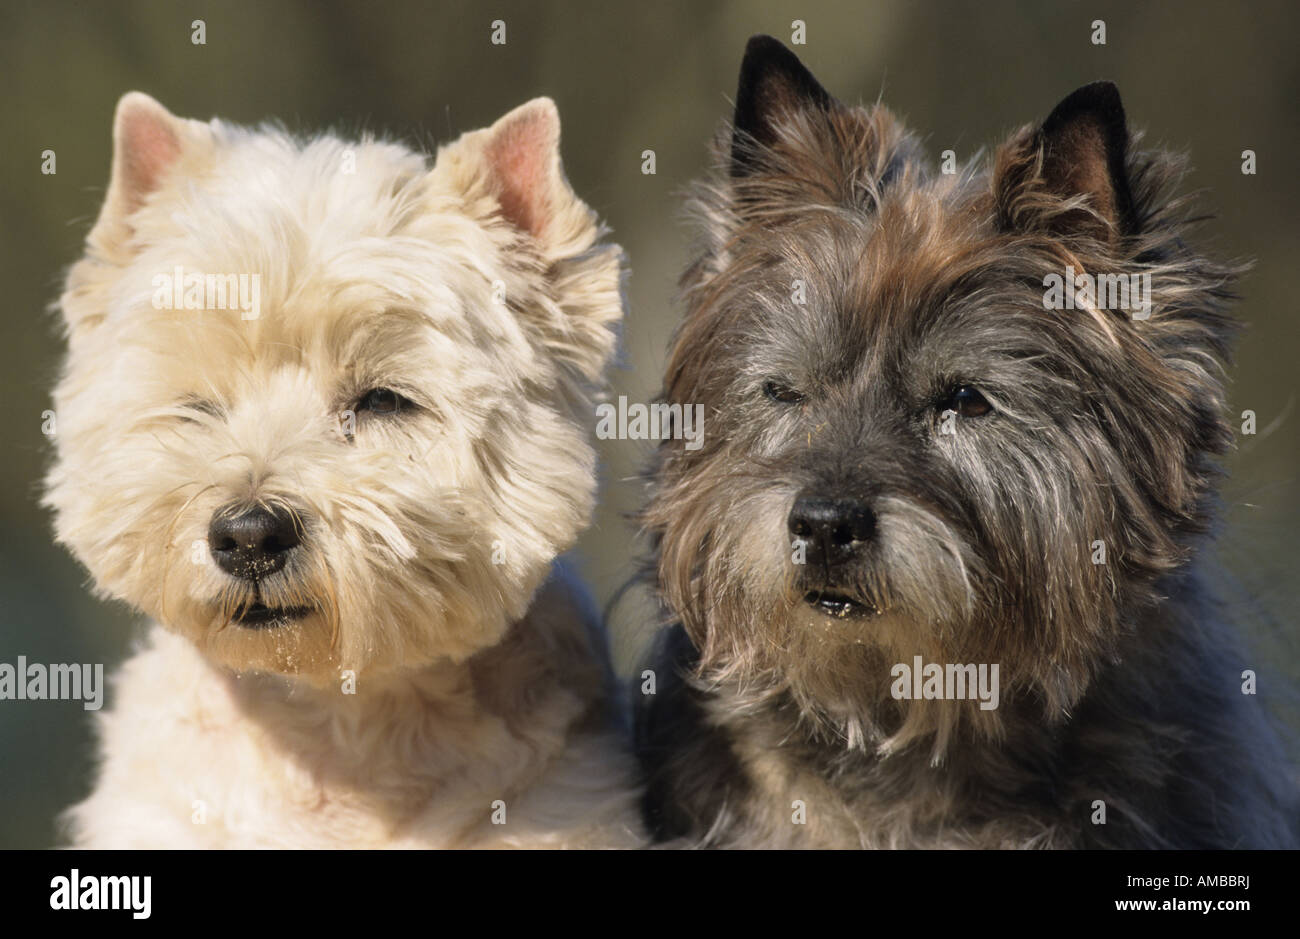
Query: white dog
pixel 324 418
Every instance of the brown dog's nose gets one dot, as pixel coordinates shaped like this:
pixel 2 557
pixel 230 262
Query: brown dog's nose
pixel 834 527
pixel 253 543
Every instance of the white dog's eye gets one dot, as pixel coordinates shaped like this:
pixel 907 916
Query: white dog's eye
pixel 202 405
pixel 383 401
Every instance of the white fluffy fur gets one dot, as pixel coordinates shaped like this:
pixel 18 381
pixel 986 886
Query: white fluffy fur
pixel 427 534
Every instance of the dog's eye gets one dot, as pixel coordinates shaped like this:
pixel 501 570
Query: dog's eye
pixel 201 405
pixel 967 401
pixel 382 401
pixel 783 393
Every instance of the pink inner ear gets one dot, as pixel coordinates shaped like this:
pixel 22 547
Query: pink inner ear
pixel 521 156
pixel 148 145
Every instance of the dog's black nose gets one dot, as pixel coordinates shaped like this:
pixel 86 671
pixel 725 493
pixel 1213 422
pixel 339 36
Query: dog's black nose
pixel 253 543
pixel 834 528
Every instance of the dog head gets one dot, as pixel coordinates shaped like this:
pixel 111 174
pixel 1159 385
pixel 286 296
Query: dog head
pixel 909 453
pixel 324 404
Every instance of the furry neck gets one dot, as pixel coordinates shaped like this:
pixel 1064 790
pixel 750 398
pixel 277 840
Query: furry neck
pixel 400 735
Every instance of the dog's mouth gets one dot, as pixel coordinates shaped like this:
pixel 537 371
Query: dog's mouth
pixel 840 605
pixel 260 616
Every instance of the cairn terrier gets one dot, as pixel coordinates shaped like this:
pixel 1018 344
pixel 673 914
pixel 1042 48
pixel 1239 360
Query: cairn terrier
pixel 934 567
pixel 324 418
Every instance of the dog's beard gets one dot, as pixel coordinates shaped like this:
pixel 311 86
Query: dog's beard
pixel 279 623
pixel 309 621
pixel 764 627
pixel 289 622
pixel 917 575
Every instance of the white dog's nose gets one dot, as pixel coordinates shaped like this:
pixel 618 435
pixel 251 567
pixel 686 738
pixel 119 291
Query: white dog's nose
pixel 253 543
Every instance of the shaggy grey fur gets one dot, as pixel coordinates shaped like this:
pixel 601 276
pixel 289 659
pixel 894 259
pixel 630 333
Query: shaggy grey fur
pixel 862 328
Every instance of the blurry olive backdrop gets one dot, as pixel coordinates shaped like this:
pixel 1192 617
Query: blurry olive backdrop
pixel 1213 79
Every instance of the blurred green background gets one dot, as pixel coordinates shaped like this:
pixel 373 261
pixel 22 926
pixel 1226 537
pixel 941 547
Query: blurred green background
pixel 1212 79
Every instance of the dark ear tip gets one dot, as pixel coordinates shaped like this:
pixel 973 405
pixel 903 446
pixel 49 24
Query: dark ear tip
pixel 762 46
pixel 1099 99
pixel 1091 118
pixel 763 54
pixel 768 70
pixel 760 41
pixel 772 81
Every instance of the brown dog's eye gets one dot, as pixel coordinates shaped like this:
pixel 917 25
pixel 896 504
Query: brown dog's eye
pixel 967 401
pixel 779 392
pixel 382 401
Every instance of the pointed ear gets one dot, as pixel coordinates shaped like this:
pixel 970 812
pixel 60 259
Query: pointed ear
pixel 773 85
pixel 147 142
pixel 522 155
pixel 512 171
pixel 1079 154
pixel 1085 143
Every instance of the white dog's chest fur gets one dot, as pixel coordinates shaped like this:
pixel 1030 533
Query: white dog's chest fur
pixel 422 765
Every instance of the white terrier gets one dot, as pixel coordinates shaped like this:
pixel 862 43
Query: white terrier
pixel 324 418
